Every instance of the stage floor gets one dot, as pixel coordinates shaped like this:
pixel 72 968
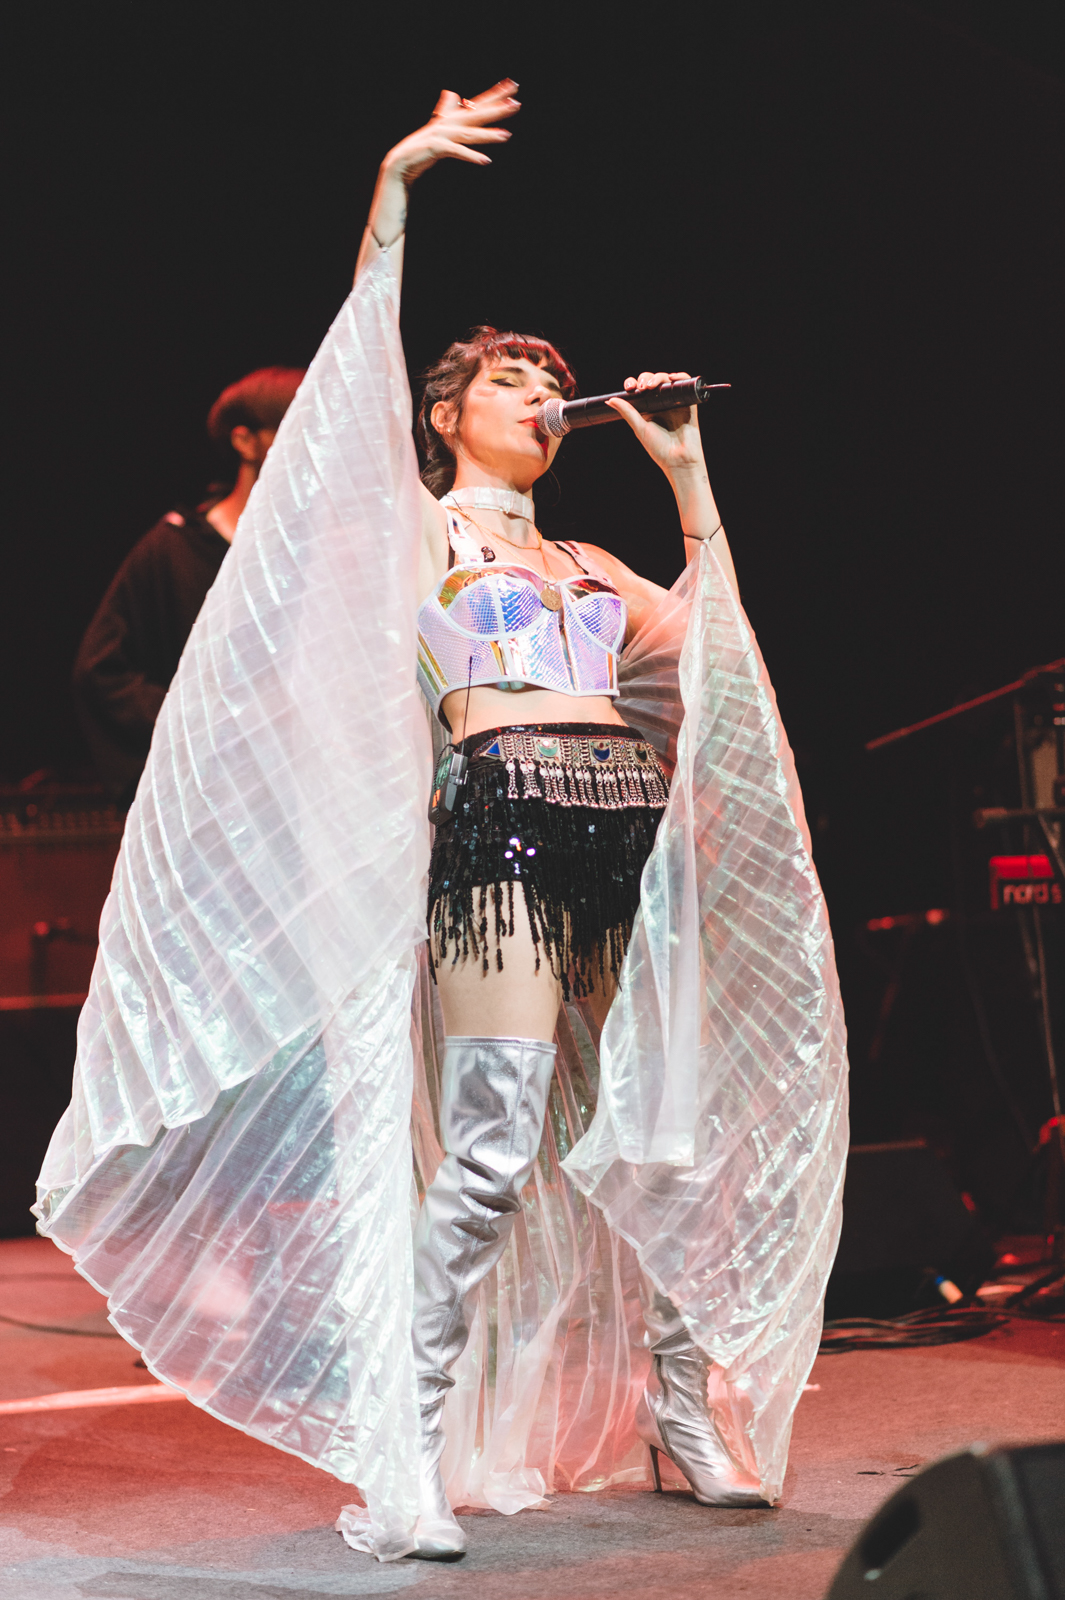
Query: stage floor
pixel 160 1502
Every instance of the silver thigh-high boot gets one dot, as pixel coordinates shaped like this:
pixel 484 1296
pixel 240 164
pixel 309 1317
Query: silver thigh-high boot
pixel 672 1414
pixel 492 1105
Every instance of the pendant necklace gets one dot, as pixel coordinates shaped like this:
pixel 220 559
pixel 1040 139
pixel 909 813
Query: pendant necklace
pixel 550 594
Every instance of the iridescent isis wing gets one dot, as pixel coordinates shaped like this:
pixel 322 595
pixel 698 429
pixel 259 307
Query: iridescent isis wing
pixel 720 1137
pixel 235 1169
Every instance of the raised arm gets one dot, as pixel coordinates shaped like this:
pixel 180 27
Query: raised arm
pixel 672 440
pixel 454 126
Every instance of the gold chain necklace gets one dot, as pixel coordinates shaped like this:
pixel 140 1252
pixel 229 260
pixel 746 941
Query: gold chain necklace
pixel 550 595
pixel 464 514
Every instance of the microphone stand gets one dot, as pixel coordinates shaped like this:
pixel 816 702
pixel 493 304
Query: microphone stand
pixel 1049 820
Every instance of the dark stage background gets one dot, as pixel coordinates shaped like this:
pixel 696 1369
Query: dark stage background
pixel 853 213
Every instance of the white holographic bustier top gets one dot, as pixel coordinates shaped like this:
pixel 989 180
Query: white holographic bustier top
pixel 518 628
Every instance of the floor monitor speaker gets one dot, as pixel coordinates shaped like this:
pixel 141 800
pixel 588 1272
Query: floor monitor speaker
pixel 986 1525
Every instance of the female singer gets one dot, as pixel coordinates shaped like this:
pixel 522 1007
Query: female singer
pixel 629 896
pixel 504 960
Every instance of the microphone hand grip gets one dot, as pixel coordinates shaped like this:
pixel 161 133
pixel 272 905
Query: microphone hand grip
pixel 559 417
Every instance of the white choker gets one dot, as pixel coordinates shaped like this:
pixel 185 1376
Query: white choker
pixel 483 498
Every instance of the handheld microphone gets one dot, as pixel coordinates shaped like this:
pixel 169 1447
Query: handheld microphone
pixel 559 417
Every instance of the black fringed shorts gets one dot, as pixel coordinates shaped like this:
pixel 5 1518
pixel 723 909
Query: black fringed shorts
pixel 569 811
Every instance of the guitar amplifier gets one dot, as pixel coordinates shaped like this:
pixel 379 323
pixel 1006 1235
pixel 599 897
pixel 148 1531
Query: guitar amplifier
pixel 57 856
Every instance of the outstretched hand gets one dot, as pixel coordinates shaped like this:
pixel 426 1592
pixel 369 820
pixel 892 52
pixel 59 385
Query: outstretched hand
pixel 671 438
pixel 455 125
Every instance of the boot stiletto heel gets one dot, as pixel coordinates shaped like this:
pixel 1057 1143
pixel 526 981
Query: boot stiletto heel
pixel 672 1417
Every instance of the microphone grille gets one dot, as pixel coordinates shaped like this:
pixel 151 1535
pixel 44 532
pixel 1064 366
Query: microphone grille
pixel 551 418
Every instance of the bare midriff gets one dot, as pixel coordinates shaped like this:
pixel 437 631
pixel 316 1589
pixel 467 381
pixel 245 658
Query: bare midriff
pixel 505 708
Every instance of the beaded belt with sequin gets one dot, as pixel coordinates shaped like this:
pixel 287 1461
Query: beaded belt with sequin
pixel 607 772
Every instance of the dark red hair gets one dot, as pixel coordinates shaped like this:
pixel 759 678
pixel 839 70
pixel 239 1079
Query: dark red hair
pixel 450 377
pixel 256 401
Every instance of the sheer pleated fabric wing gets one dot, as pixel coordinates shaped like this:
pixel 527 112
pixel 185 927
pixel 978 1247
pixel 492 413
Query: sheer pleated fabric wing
pixel 235 1168
pixel 258 1056
pixel 720 1140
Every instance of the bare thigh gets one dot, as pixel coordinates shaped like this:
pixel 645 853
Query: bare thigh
pixel 518 1002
